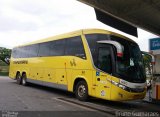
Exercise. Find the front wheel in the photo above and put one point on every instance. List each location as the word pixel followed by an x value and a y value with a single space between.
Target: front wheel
pixel 82 91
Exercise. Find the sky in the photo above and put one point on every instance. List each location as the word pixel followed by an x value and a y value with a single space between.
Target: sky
pixel 23 21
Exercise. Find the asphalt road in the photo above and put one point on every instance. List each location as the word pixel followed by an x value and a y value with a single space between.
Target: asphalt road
pixel 31 100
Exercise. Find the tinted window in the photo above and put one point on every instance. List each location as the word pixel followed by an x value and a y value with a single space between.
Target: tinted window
pixel 104 59
pixel 32 50
pixel 130 66
pixel 57 48
pixel 92 42
pixel 27 51
pixel 21 52
pixel 18 52
pixel 44 49
pixel 74 47
pixel 14 51
pixel 71 46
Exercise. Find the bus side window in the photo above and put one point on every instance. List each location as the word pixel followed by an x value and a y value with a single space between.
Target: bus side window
pixel 23 52
pixel 104 59
pixel 57 47
pixel 14 53
pixel 74 47
pixel 44 49
pixel 33 50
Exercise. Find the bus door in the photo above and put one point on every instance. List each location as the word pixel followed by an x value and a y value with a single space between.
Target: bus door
pixel 61 76
pixel 104 70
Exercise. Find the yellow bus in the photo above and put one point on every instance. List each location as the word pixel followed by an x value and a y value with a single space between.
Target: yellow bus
pixel 89 62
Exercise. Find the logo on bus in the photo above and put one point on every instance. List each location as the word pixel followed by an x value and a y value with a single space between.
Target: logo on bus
pixel 20 62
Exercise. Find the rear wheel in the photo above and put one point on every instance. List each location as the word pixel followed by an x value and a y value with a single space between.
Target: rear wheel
pixel 18 78
pixel 24 79
pixel 82 91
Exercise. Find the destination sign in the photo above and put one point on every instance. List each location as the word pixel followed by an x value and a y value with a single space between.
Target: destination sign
pixel 155 44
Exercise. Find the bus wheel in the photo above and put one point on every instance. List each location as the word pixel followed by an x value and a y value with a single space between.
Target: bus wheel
pixel 24 80
pixel 18 78
pixel 82 91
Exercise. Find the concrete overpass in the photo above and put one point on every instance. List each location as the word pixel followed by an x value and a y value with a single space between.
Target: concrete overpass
pixel 144 14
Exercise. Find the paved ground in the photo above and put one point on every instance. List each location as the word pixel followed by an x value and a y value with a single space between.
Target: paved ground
pixel 14 97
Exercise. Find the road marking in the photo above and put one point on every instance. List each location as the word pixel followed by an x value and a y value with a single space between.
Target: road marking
pixel 109 111
pixel 22 101
pixel 71 103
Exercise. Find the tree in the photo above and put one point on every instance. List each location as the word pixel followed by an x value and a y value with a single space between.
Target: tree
pixel 147 63
pixel 5 54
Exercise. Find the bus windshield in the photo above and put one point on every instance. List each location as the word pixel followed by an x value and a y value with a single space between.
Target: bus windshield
pixel 130 66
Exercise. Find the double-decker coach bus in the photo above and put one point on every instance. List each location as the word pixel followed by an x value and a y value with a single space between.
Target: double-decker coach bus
pixel 90 62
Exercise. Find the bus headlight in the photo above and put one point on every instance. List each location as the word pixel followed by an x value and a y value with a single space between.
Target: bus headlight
pixel 115 83
pixel 122 87
pixel 134 90
pixel 118 84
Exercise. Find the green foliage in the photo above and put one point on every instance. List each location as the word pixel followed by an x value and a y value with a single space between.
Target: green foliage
pixel 147 60
pixel 147 63
pixel 3 63
pixel 4 73
pixel 4 68
pixel 5 53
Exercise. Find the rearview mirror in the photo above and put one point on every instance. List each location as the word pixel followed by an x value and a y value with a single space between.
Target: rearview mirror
pixel 152 57
pixel 116 44
pixel 7 60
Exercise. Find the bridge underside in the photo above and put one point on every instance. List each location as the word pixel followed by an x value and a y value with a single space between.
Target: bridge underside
pixel 144 14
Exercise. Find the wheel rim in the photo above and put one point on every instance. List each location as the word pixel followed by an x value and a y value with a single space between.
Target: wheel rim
pixel 24 81
pixel 81 91
pixel 18 77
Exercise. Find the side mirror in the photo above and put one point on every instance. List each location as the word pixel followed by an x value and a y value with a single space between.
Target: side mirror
pixel 7 60
pixel 116 44
pixel 152 56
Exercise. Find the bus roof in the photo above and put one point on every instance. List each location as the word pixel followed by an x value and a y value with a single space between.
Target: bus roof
pixel 76 33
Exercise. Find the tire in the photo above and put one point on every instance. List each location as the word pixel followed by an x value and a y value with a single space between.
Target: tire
pixel 81 91
pixel 24 80
pixel 18 78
